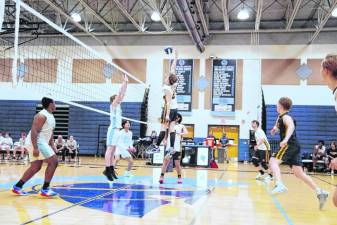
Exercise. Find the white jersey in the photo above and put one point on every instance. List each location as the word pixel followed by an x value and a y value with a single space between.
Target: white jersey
pixel 47 128
pixel 179 128
pixel 116 116
pixel 174 102
pixel 124 139
pixel 7 141
pixel 259 134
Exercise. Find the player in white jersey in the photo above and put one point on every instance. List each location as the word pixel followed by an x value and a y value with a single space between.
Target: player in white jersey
pixel 40 146
pixel 113 130
pixel 260 158
pixel 124 146
pixel 329 74
pixel 170 106
pixel 180 131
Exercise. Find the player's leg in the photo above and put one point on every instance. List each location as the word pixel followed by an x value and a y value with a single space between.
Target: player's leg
pixel 176 158
pixel 166 161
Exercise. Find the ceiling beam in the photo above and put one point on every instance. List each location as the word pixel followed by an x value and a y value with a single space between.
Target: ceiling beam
pixel 100 18
pixel 162 19
pixel 293 14
pixel 202 17
pixel 225 5
pixel 323 21
pixel 259 10
pixel 127 14
pixel 69 18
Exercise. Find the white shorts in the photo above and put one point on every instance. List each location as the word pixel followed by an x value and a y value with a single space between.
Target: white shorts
pixel 124 153
pixel 112 136
pixel 45 151
pixel 5 147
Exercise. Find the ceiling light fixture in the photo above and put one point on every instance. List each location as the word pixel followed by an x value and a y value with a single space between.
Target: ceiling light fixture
pixel 76 17
pixel 155 16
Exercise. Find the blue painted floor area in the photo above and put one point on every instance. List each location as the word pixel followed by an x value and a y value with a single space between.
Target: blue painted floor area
pixel 123 199
pixel 133 197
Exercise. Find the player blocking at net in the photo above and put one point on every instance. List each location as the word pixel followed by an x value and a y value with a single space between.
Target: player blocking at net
pixel 113 130
pixel 169 108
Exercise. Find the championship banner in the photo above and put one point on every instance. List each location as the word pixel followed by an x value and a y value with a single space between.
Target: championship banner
pixel 223 87
pixel 184 72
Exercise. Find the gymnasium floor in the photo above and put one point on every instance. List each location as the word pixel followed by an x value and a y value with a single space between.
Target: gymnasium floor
pixel 228 195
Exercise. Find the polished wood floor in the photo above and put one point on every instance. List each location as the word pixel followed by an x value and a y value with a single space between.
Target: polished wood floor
pixel 228 195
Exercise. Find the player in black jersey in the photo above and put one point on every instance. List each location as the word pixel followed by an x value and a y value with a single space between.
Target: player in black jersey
pixel 289 152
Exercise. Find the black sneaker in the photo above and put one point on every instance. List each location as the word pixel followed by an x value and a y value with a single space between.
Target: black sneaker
pixel 113 173
pixel 108 175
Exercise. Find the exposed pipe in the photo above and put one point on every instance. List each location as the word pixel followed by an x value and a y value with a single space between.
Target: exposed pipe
pixel 190 24
pixel 202 17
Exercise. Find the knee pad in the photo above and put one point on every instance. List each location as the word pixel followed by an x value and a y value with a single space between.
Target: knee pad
pixel 255 161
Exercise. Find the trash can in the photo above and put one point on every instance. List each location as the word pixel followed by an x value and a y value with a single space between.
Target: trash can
pixel 221 155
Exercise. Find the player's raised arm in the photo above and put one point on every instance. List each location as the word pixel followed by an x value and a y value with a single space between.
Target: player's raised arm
pixel 120 96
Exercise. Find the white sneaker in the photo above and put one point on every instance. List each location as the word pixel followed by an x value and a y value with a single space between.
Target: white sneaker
pixel 259 176
pixel 267 178
pixel 322 197
pixel 128 174
pixel 279 189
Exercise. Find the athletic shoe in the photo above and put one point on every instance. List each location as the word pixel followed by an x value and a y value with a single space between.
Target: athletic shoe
pixel 161 180
pixel 128 174
pixel 48 193
pixel 279 189
pixel 18 191
pixel 180 181
pixel 322 197
pixel 108 175
pixel 113 174
pixel 259 176
pixel 267 178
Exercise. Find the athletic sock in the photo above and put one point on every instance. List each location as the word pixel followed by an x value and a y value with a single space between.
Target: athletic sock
pixel 161 136
pixel 20 184
pixel 318 190
pixel 172 138
pixel 45 185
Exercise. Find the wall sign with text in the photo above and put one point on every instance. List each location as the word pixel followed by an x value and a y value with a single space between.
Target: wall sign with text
pixel 184 72
pixel 223 86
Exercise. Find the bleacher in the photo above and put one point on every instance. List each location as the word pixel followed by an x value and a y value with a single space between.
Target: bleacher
pixel 17 116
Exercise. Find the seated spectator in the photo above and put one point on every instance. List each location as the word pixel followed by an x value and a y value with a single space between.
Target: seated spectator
pixel 61 146
pixel 6 144
pixel 20 146
pixel 153 136
pixel 319 153
pixel 331 153
pixel 72 147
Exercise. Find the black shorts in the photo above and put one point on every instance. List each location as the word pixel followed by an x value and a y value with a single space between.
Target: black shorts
pixel 176 156
pixel 290 155
pixel 173 115
pixel 262 155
